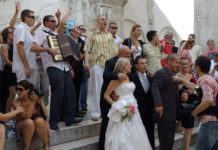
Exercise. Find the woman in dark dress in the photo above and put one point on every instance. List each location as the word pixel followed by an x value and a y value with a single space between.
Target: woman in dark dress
pixel 186 118
pixel 133 41
pixel 7 54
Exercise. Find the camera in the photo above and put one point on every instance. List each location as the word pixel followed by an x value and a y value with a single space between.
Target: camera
pixel 36 92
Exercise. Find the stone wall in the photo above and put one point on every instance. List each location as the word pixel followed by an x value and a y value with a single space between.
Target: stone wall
pixel 206 22
pixel 125 13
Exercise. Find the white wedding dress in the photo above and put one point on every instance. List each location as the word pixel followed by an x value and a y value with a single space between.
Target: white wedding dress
pixel 126 134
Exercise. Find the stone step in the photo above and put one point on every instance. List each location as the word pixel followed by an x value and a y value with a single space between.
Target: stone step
pixel 91 143
pixel 84 130
pixel 87 128
pixel 179 140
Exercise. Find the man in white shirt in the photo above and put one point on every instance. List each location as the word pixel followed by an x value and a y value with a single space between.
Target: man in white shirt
pixel 83 34
pixel 62 88
pixel 113 30
pixel 196 50
pixel 214 66
pixel 24 61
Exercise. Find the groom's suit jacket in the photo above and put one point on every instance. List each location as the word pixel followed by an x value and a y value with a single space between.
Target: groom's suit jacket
pixel 144 100
pixel 145 105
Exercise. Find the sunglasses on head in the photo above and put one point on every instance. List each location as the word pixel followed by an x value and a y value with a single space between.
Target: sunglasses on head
pixel 20 89
pixel 33 17
pixel 10 30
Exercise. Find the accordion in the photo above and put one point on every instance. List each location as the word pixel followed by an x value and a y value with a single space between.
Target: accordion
pixel 66 47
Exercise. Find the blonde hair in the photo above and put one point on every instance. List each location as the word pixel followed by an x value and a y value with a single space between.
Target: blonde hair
pixel 210 40
pixel 119 66
pixel 187 43
pixel 134 41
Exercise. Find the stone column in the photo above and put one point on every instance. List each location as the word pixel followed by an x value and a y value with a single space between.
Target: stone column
pixel 206 22
pixel 112 9
pixel 87 11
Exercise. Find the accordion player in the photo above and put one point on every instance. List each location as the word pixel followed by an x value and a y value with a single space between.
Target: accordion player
pixel 66 47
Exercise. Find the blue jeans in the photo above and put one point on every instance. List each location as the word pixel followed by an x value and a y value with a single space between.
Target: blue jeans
pixel 208 136
pixel 84 91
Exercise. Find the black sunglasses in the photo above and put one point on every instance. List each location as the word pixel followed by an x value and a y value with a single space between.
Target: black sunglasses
pixel 83 29
pixel 20 89
pixel 113 27
pixel 33 17
pixel 71 30
pixel 53 21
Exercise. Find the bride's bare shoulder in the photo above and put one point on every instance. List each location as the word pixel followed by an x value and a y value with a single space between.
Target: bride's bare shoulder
pixel 115 82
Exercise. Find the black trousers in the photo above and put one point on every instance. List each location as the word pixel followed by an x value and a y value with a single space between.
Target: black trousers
pixel 62 96
pixel 103 129
pixel 166 134
pixel 149 126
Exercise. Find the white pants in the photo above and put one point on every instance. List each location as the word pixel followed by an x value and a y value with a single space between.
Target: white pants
pixel 21 75
pixel 97 81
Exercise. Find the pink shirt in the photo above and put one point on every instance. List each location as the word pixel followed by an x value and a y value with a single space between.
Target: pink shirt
pixel 209 87
pixel 187 54
pixel 210 53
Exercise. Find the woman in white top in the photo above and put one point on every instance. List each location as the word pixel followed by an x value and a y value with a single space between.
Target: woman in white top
pixel 133 41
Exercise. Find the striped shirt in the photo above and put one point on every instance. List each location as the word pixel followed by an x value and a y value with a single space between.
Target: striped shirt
pixel 101 46
pixel 153 56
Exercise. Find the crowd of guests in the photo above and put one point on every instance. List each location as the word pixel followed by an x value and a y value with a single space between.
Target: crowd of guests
pixel 165 79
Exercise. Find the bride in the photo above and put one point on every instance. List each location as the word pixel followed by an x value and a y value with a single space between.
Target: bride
pixel 125 129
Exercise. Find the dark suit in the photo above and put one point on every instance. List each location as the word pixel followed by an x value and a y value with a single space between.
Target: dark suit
pixel 145 105
pixel 165 93
pixel 108 75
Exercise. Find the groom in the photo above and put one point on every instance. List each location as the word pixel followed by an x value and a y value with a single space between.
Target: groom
pixel 143 95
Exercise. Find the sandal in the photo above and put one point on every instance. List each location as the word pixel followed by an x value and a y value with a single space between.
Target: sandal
pixel 46 147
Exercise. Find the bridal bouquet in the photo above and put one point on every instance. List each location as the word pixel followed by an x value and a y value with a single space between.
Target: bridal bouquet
pixel 130 111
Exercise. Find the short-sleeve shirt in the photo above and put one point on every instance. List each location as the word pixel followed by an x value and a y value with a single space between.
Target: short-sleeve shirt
pixel 209 54
pixel 167 49
pixel 40 38
pixel 195 52
pixel 102 47
pixel 22 34
pixel 209 87
pixel 153 56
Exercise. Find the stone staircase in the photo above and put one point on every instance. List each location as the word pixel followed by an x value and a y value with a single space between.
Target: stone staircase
pixel 84 136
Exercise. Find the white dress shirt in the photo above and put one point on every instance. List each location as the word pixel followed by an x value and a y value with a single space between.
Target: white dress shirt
pixel 40 38
pixel 144 81
pixel 118 41
pixel 195 52
pixel 211 68
pixel 22 34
